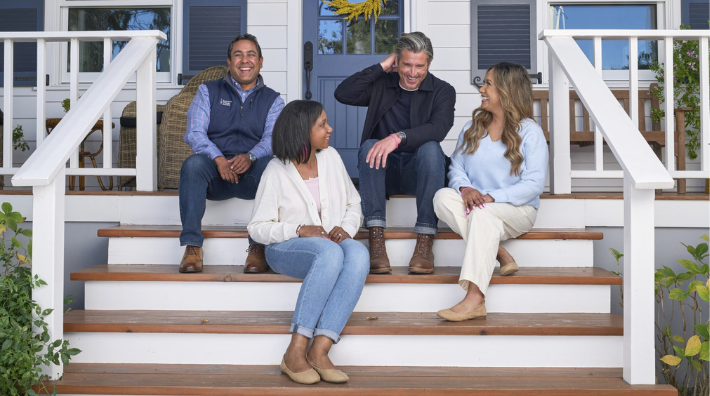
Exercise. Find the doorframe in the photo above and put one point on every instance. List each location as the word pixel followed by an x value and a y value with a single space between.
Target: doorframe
pixel 294 52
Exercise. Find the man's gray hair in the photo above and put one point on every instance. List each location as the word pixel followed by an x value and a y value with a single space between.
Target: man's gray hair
pixel 415 42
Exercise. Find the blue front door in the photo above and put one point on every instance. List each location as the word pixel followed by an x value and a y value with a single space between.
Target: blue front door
pixel 341 48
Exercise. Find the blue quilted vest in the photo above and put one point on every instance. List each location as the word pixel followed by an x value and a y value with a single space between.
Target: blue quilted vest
pixel 236 127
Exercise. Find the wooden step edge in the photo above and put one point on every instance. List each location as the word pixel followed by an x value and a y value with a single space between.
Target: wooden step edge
pixel 360 323
pixel 390 233
pixel 215 379
pixel 400 275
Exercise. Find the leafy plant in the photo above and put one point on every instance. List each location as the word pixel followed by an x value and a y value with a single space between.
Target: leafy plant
pixel 689 348
pixel 617 257
pixel 18 139
pixel 25 345
pixel 686 88
pixel 66 103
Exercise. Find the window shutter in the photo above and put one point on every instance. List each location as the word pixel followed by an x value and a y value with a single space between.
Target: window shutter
pixel 502 31
pixel 21 16
pixel 696 13
pixel 209 27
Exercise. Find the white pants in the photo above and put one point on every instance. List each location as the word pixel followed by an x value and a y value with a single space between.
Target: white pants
pixel 482 232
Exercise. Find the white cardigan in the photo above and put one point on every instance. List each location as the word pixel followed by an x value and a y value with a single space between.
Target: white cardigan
pixel 283 201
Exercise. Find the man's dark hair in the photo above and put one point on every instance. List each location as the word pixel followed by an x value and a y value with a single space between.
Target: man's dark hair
pixel 245 36
pixel 291 137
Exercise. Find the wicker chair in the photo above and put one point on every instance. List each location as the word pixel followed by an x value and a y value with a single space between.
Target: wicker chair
pixel 172 150
pixel 127 142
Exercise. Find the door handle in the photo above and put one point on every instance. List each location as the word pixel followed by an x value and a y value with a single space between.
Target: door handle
pixel 308 67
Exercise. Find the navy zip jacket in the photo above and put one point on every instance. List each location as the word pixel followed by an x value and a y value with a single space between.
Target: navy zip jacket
pixel 432 110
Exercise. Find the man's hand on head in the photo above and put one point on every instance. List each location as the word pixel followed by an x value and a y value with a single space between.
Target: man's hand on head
pixel 240 163
pixel 378 153
pixel 390 63
pixel 223 167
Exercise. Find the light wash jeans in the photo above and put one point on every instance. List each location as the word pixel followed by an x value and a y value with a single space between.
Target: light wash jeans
pixel 333 277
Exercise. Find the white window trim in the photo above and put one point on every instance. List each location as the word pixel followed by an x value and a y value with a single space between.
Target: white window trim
pixel 60 8
pixel 613 78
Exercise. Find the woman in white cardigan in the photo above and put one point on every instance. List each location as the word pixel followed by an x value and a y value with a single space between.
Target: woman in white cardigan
pixel 306 212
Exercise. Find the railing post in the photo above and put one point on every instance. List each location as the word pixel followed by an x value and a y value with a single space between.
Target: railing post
pixel 669 107
pixel 639 303
pixel 146 155
pixel 561 161
pixel 8 101
pixel 598 138
pixel 704 105
pixel 48 257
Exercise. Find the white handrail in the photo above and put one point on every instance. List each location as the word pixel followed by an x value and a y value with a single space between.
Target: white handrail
pixel 619 34
pixel 55 36
pixel 44 164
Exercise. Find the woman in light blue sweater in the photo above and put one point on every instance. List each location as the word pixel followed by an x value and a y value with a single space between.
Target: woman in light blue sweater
pixel 496 176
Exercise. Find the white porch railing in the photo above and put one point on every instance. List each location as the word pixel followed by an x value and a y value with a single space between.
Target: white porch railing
pixel 45 170
pixel 642 170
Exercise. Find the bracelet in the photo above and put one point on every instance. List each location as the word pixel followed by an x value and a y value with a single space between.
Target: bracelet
pixel 396 143
pixel 298 229
pixel 464 190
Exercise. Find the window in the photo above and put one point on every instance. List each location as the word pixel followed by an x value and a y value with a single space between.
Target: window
pixel 21 16
pixel 98 15
pixel 615 53
pixel 502 31
pixel 359 36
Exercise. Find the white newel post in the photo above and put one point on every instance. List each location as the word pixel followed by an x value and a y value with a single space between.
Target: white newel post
pixel 639 303
pixel 48 255
pixel 560 158
pixel 146 154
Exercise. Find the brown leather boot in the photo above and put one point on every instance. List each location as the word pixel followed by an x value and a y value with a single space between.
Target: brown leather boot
pixel 379 262
pixel 192 259
pixel 256 260
pixel 422 261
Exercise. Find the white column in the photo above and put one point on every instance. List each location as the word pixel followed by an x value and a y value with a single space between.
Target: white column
pixel 48 256
pixel 561 162
pixel 639 302
pixel 669 104
pixel 7 99
pixel 634 80
pixel 108 131
pixel 41 90
pixel 598 138
pixel 704 105
pixel 74 90
pixel 146 155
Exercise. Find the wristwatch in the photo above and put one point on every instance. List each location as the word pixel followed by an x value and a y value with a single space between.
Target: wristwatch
pixel 252 157
pixel 403 137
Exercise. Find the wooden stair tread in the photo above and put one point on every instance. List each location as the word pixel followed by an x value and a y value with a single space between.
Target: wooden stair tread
pixel 360 323
pixel 181 379
pixel 165 231
pixel 441 275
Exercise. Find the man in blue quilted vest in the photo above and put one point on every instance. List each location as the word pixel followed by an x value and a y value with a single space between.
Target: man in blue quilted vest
pixel 229 126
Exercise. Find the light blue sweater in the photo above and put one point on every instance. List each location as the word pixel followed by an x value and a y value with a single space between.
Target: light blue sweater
pixel 488 171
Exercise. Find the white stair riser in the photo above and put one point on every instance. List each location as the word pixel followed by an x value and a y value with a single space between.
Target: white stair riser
pixel 401 212
pixel 255 296
pixel 447 252
pixel 358 350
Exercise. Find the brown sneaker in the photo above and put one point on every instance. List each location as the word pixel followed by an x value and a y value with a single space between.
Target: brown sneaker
pixel 256 260
pixel 379 262
pixel 422 261
pixel 192 259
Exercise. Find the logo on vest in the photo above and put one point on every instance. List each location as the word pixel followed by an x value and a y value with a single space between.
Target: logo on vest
pixel 225 102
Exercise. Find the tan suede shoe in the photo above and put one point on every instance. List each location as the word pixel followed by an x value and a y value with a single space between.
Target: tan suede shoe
pixel 191 260
pixel 307 377
pixel 509 268
pixel 452 316
pixel 330 375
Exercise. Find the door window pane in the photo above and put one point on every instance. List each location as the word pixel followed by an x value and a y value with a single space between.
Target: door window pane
pixel 391 7
pixel 330 37
pixel 386 35
pixel 359 37
pixel 615 53
pixel 91 55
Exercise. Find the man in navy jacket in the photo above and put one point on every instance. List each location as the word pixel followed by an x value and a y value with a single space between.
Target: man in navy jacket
pixel 409 112
pixel 229 126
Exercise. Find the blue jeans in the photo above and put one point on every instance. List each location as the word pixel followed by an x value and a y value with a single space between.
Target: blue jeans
pixel 421 173
pixel 333 277
pixel 200 181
